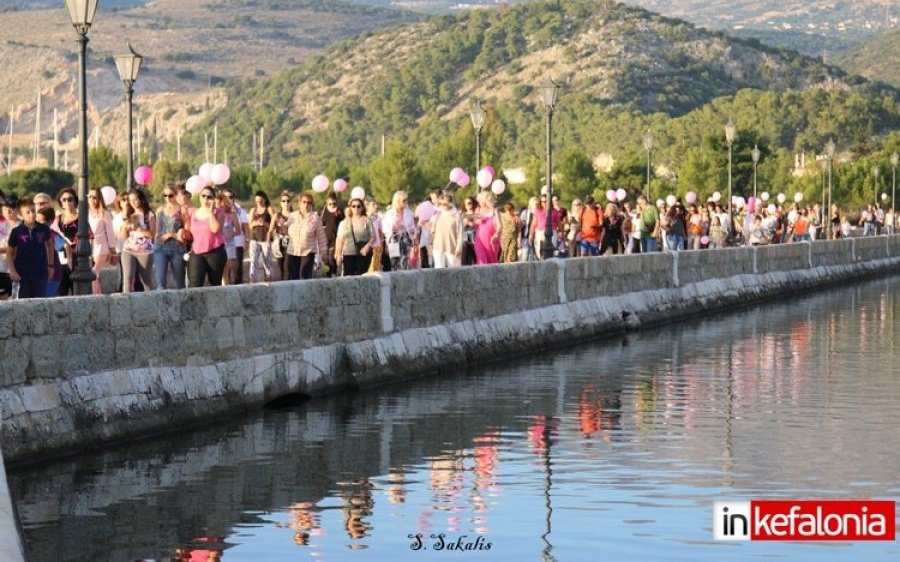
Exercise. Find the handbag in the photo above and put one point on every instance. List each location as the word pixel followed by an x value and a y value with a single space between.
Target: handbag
pixel 357 244
pixel 394 250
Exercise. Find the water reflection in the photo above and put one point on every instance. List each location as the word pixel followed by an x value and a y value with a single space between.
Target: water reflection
pixel 614 449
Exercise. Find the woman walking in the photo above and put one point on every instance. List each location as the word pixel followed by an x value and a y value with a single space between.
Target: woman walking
pixel 208 256
pixel 307 239
pixel 487 230
pixel 139 232
pixel 103 243
pixel 399 227
pixel 262 227
pixel 67 226
pixel 510 227
pixel 169 247
pixel 355 238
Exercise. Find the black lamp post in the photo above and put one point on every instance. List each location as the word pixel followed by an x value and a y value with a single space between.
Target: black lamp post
pixel 477 114
pixel 648 145
pixel 829 151
pixel 876 172
pixel 549 95
pixel 755 154
pixel 730 130
pixel 129 66
pixel 895 159
pixel 81 12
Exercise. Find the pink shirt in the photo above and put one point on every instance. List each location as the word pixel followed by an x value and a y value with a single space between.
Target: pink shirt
pixel 540 219
pixel 204 240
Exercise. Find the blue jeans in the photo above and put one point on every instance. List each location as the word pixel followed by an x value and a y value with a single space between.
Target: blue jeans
pixel 676 243
pixel 168 253
pixel 649 245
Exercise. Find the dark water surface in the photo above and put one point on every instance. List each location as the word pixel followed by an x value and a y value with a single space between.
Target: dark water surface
pixel 610 451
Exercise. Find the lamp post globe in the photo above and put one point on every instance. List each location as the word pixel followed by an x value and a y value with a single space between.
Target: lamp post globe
pixel 549 96
pixel 477 115
pixel 876 172
pixel 129 67
pixel 81 13
pixel 648 145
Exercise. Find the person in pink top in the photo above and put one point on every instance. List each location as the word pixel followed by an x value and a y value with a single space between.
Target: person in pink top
pixel 208 256
pixel 487 230
pixel 539 224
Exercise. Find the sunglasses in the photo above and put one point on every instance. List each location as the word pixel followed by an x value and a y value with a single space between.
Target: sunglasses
pixel 92 197
pixel 285 200
pixel 169 194
pixel 305 202
pixel 208 196
pixel 67 200
pixel 356 206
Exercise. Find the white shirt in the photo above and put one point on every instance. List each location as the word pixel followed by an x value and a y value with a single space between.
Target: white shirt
pixel 243 219
pixel 390 217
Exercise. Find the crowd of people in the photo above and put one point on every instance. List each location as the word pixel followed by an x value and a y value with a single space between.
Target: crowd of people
pixel 179 244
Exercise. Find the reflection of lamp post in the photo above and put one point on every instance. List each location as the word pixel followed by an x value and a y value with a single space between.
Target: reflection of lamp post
pixel 755 154
pixel 829 151
pixel 730 130
pixel 549 95
pixel 895 158
pixel 129 66
pixel 81 12
pixel 546 441
pixel 477 115
pixel 648 144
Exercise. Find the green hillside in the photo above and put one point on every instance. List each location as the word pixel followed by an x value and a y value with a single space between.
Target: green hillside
pixel 624 70
pixel 878 59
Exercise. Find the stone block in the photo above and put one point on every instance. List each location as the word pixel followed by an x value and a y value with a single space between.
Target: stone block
pixel 46 358
pixel 99 316
pixel 240 338
pixel 127 348
pixel 7 321
pixel 76 350
pixel 59 316
pixel 258 329
pixel 224 334
pixel 282 297
pixel 16 357
pixel 39 398
pixel 144 308
pixel 193 304
pixel 119 310
pixel 32 317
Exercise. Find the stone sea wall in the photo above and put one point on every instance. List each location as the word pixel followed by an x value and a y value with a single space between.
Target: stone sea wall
pixel 81 372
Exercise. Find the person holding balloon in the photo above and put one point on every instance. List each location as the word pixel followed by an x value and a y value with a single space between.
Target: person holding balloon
pixel 487 230
pixel 208 256
pixel 139 231
pixel 169 247
pixel 103 242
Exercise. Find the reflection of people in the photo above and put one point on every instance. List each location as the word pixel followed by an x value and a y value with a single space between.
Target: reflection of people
pixel 304 523
pixel 358 503
pixel 598 412
pixel 396 492
pixel 212 554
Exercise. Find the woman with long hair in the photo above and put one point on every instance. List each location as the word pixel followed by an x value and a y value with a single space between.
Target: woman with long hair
pixel 169 247
pixel 208 256
pixel 510 227
pixel 103 243
pixel 355 238
pixel 468 215
pixel 378 242
pixel 304 227
pixel 262 227
pixel 230 231
pixel 138 231
pixel 67 226
pixel 280 236
pixel 399 227
pixel 487 230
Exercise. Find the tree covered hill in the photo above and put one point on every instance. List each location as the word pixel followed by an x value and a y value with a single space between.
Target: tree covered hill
pixel 624 70
pixel 877 59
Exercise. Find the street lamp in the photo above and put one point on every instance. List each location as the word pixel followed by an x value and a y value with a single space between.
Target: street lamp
pixel 829 151
pixel 755 154
pixel 876 172
pixel 895 158
pixel 129 66
pixel 648 144
pixel 549 95
pixel 477 114
pixel 730 130
pixel 81 12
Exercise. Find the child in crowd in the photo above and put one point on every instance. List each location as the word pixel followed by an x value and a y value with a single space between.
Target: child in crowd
pixel 30 254
pixel 47 215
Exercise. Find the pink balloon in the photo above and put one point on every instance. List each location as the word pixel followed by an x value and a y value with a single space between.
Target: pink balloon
pixel 464 180
pixel 195 184
pixel 671 200
pixel 704 240
pixel 320 183
pixel 491 170
pixel 143 175
pixel 457 174
pixel 621 194
pixel 498 187
pixel 611 196
pixel 425 211
pixel 340 185
pixel 484 178
pixel 220 174
pixel 358 193
pixel 109 194
pixel 690 197
pixel 206 171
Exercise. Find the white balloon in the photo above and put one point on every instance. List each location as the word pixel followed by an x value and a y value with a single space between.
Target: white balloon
pixel 498 187
pixel 781 198
pixel 716 196
pixel 764 196
pixel 358 193
pixel 798 197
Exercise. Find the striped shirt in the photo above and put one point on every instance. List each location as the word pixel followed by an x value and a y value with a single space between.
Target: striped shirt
pixel 307 234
